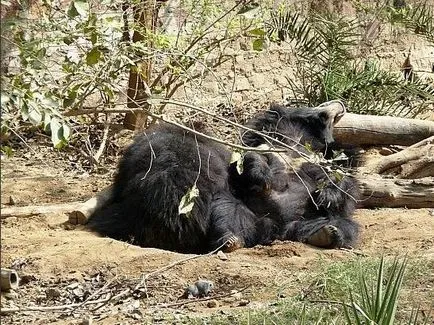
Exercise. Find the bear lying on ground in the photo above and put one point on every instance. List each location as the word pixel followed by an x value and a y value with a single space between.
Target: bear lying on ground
pixel 274 197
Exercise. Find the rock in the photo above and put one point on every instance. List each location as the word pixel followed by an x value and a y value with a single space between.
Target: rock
pixel 13 200
pixel 52 293
pixel 243 302
pixel 222 256
pixel 385 151
pixel 237 295
pixel 86 321
pixel 10 294
pixel 212 303
pixel 72 286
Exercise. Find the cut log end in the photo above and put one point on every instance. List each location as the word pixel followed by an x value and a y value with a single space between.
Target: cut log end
pixel 8 280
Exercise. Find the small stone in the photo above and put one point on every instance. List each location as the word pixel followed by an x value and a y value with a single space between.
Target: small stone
pixel 52 293
pixel 385 151
pixel 212 303
pixel 72 286
pixel 243 302
pixel 78 292
pixel 86 321
pixel 237 295
pixel 13 200
pixel 10 295
pixel 222 256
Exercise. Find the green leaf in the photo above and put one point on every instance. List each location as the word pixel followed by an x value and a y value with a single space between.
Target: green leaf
pixel 78 8
pixel 24 109
pixel 93 56
pixel 55 127
pixel 60 133
pixel 258 44
pixel 237 158
pixel 4 99
pixel 94 37
pixel 35 116
pixel 47 121
pixel 68 101
pixel 72 11
pixel 187 201
pixel 7 151
pixel 66 132
pixel 257 32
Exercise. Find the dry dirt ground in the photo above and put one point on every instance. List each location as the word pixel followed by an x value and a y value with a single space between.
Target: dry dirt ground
pixel 63 264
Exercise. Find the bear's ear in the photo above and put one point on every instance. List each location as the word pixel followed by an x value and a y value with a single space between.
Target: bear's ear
pixel 324 117
pixel 333 110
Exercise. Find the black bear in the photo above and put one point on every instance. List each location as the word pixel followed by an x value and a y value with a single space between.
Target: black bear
pixel 307 201
pixel 270 199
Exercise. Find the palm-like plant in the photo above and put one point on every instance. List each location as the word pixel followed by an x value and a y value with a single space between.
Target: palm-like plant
pixel 326 66
pixel 377 305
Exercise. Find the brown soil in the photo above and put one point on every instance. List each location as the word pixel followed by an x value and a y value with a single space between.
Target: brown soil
pixel 60 263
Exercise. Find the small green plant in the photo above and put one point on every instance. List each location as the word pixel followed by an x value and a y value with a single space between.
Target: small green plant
pixel 377 304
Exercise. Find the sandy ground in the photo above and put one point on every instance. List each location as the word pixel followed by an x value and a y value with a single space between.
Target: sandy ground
pixel 62 264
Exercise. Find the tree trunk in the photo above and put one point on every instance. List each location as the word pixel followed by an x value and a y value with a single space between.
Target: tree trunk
pixel 360 130
pixel 376 192
pixel 145 15
pixel 380 192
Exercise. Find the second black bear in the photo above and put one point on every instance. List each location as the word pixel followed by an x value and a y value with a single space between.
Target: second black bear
pixel 267 201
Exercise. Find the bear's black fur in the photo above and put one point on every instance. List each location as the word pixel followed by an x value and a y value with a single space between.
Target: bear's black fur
pixel 268 201
pixel 310 204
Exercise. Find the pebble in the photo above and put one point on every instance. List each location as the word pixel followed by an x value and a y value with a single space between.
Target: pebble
pixel 10 295
pixel 243 302
pixel 212 303
pixel 222 256
pixel 237 295
pixel 52 293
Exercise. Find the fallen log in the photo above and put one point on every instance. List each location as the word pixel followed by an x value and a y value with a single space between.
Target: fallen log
pixel 422 167
pixel 360 130
pixel 32 210
pixel 8 279
pixel 80 215
pixel 423 150
pixel 376 192
pixel 381 192
pixel 78 212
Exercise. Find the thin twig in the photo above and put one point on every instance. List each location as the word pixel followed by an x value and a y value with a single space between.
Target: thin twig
pixel 111 297
pixel 353 251
pixel 94 294
pixel 190 301
pixel 333 302
pixel 102 146
pixel 146 276
pixel 51 308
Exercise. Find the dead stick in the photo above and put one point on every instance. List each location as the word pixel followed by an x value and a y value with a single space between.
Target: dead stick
pixel 50 308
pixel 190 301
pixel 146 276
pixel 102 146
pixel 39 209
